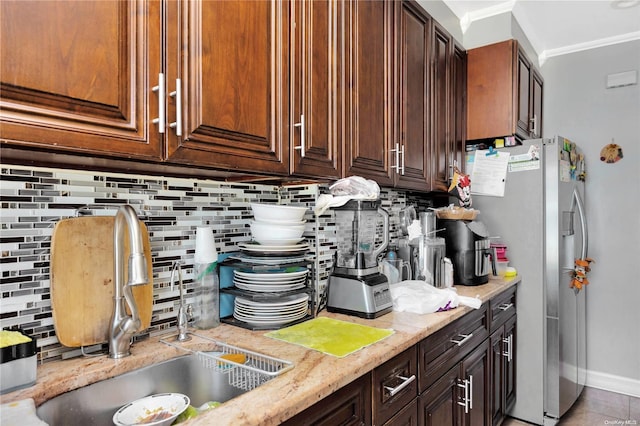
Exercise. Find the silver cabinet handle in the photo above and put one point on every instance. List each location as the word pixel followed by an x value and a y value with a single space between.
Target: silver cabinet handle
pixel 505 306
pixel 465 400
pixel 534 124
pixel 397 152
pixel 161 89
pixel 465 337
pixel 508 353
pixel 470 392
pixel 402 154
pixel 177 94
pixel 302 132
pixel 405 382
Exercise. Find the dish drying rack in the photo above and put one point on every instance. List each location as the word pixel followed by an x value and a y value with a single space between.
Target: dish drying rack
pixel 257 369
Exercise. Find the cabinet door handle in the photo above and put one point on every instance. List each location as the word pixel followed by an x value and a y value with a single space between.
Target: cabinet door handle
pixel 397 152
pixel 402 167
pixel 505 306
pixel 405 382
pixel 465 400
pixel 177 94
pixel 302 132
pixel 161 89
pixel 470 392
pixel 465 337
pixel 534 124
pixel 509 342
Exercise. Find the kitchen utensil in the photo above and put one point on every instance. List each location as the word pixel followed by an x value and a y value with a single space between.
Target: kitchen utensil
pixel 356 287
pixel 82 280
pixel 396 270
pixel 428 260
pixel 157 410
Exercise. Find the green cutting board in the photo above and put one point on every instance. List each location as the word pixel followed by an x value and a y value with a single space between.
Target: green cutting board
pixel 331 336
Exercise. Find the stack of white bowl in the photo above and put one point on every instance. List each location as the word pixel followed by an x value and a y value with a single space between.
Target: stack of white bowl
pixel 277 225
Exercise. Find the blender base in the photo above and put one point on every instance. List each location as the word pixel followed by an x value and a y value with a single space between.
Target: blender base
pixel 365 297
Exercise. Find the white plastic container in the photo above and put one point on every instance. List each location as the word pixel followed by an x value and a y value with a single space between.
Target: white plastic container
pixel 501 267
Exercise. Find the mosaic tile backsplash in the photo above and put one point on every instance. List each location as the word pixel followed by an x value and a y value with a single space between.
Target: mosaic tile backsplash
pixel 34 199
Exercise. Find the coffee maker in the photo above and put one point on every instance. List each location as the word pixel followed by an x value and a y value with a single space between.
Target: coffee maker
pixel 356 287
pixel 468 246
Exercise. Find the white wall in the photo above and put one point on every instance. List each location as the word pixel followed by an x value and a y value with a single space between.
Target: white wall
pixel 577 105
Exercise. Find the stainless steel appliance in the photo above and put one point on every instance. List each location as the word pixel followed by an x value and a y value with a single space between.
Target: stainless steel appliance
pixel 541 218
pixel 470 251
pixel 356 287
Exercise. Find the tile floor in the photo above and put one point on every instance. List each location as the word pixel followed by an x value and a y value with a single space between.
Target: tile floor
pixel 597 407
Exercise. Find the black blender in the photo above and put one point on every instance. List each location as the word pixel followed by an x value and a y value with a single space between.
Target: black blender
pixel 356 287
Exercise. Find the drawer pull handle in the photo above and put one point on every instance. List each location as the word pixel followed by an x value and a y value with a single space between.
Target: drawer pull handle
pixel 405 382
pixel 505 306
pixel 160 88
pixel 465 337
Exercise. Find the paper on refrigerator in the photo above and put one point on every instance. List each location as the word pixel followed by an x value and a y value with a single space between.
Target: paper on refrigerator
pixel 489 173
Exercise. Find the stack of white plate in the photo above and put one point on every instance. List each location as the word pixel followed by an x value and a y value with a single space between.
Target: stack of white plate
pixel 271 280
pixel 285 310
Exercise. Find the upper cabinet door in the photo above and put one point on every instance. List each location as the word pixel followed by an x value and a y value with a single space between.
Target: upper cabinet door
pixel 523 94
pixel 317 88
pixel 442 109
pixel 227 78
pixel 74 76
pixel 535 121
pixel 368 104
pixel 413 97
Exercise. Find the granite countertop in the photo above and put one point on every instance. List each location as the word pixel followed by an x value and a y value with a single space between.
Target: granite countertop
pixel 313 377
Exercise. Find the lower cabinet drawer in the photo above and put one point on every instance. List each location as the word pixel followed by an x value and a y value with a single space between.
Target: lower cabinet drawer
pixel 395 384
pixel 446 347
pixel 348 406
pixel 501 308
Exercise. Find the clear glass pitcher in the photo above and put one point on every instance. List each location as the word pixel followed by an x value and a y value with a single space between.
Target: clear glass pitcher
pixel 360 236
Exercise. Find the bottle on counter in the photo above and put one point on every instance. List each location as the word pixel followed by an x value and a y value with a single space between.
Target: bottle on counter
pixel 207 289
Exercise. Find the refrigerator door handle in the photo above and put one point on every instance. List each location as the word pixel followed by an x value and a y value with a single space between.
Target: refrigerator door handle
pixel 577 202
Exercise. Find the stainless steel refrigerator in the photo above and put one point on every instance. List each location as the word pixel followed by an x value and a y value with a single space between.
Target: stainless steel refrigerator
pixel 542 221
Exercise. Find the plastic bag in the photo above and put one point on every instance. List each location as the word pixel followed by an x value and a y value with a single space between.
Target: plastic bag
pixel 422 298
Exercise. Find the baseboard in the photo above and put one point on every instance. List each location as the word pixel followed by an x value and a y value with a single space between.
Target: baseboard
pixel 611 383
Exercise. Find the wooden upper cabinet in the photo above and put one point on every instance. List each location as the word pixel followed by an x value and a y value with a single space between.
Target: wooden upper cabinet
pixel 317 88
pixel 449 108
pixel 228 61
pixel 414 35
pixel 504 93
pixel 74 76
pixel 368 116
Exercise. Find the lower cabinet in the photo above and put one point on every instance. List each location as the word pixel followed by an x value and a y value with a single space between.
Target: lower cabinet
pixel 463 374
pixel 503 321
pixel 462 395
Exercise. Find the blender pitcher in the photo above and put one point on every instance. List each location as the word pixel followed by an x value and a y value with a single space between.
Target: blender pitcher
pixel 357 223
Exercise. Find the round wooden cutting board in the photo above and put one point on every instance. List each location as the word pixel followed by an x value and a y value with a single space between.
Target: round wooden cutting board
pixel 82 280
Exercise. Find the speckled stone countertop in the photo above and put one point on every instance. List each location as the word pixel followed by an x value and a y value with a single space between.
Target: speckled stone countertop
pixel 313 377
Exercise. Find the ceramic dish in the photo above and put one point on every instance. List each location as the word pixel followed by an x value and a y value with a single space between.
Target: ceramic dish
pixel 159 409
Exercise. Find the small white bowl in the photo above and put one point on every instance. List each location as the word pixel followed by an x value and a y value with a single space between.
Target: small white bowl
pixel 157 410
pixel 278 212
pixel 267 231
pixel 280 242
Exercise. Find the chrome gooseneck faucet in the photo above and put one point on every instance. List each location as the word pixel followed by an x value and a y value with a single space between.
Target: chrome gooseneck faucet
pixel 124 326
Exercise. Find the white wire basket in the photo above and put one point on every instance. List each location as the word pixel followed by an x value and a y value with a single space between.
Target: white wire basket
pixel 256 369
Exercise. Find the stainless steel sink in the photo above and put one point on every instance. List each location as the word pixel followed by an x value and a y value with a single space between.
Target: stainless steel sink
pixel 95 404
